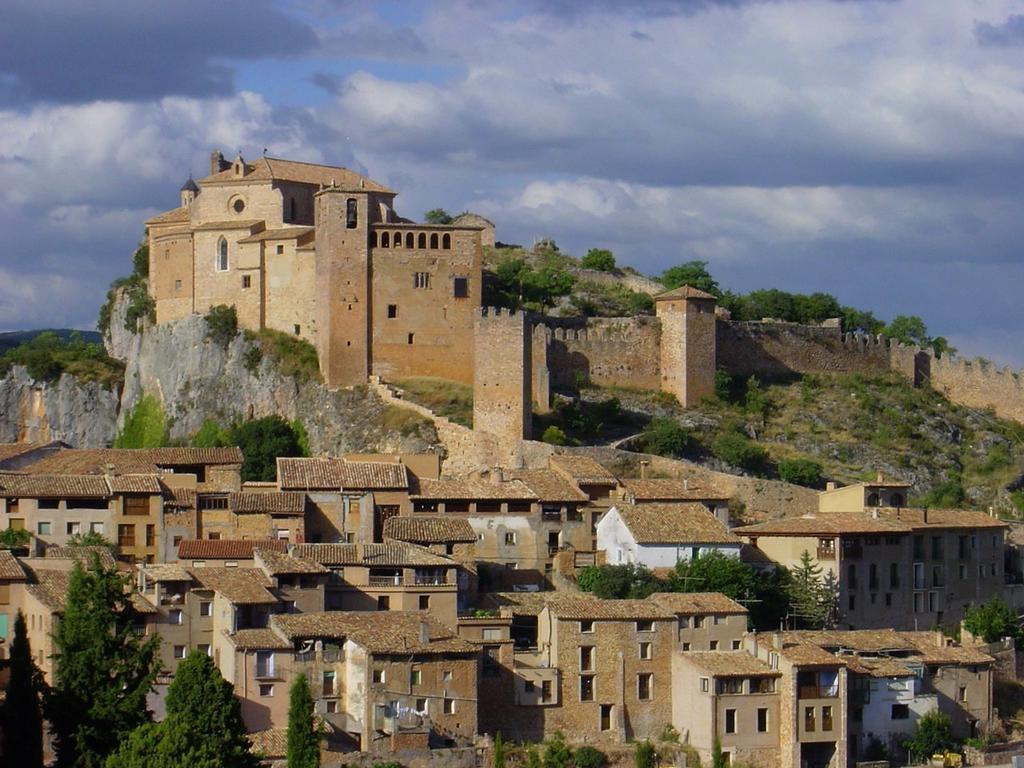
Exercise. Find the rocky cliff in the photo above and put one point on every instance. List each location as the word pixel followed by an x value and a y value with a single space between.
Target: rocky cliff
pixel 69 410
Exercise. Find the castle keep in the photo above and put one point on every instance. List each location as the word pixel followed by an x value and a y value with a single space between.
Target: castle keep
pixel 319 252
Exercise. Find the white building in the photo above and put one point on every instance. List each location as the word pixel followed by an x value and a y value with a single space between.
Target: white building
pixel 660 535
pixel 886 701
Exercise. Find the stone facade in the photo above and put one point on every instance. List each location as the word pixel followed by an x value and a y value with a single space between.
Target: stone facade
pixel 502 378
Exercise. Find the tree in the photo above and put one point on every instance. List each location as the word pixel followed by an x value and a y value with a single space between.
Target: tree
pixel 801 472
pixel 12 538
pixel 908 329
pixel 203 727
pixel 437 216
pixel 644 755
pixel 933 735
pixel 717 758
pixel 22 714
pixel 499 751
pixel 90 539
pixel 103 668
pixel 589 757
pixel 807 597
pixel 553 436
pixel 303 739
pixel 738 450
pixel 766 593
pixel 666 437
pixel 992 621
pixel 557 754
pixel 262 441
pixel 222 324
pixel 600 259
pixel 619 582
pixel 692 273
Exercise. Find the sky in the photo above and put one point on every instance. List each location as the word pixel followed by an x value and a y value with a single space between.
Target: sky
pixel 872 149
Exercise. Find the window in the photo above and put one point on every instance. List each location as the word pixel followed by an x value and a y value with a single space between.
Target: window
pixel 421 280
pixel 736 644
pixel 587 658
pixel 44 528
pixel 586 626
pixel 826 718
pixel 686 646
pixel 644 686
pixel 280 250
pixel 961 693
pixel 713 645
pixel 719 619
pixel 383 603
pixel 204 648
pixel 175 616
pixel 446 676
pixel 645 651
pixel 704 685
pixel 586 687
pixel 545 690
pixel 266 690
pixel 425 603
pixel 416 677
pixel 460 287
pixel 177 285
pixel 433 240
pixel 247 281
pixel 96 528
pixel 264 663
pixel 410 338
pixel 351 213
pixel 392 311
pixel 606 717
pixel 510 538
pixel 900 712
pixel 126 535
pixel 222 255
pixel 730 721
pixel 449 706
pixel 385 239
pixel 762 719
pixel 238 205
pixel 809 720
pixel 297 329
pixel 74 528
pixel 645 626
pixel 150 535
pixel 136 505
pixel 331 706
pixel 205 608
pixel 379 676
pixel 179 651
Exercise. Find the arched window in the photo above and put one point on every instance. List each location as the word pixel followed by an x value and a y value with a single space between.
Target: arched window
pixel 433 240
pixel 896 500
pixel 423 239
pixel 872 499
pixel 385 239
pixel 397 240
pixel 351 213
pixel 446 241
pixel 222 255
pixel 409 240
pixel 373 239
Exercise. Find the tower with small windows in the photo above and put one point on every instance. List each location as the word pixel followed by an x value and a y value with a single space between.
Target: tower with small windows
pixel 688 344
pixel 189 190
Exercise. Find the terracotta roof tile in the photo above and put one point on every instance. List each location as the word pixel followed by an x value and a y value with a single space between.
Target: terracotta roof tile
pixel 166 572
pixel 925 647
pixel 694 603
pixel 824 524
pixel 800 653
pixel 244 586
pixel 52 486
pixel 729 663
pixel 684 292
pixel 96 461
pixel 575 605
pixel 278 563
pixel 83 555
pixel 548 485
pixel 659 489
pixel 226 549
pixel 50 587
pixel 271 503
pixel 10 567
pixel 878 666
pixel 269 744
pixel 581 469
pixel 378 632
pixel 389 554
pixel 472 488
pixel 333 474
pixel 285 233
pixel 182 498
pixel 942 518
pixel 135 484
pixel 259 640
pixel 173 216
pixel 429 530
pixel 13 450
pixel 682 523
pixel 273 168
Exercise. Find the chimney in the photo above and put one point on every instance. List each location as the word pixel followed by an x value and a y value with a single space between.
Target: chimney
pixel 925 516
pixel 777 640
pixel 424 633
pixel 874 513
pixel 831 485
pixel 686 483
pixel 644 464
pixel 880 477
pixel 217 163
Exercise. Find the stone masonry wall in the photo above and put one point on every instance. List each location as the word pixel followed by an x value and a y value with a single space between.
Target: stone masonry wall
pixel 607 352
pixel 502 373
pixel 976 384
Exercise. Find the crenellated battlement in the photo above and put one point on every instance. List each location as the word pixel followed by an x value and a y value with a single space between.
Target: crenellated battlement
pixel 499 314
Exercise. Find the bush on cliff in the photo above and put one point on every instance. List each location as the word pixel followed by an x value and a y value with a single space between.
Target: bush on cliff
pixel 291 355
pixel 739 451
pixel 145 427
pixel 600 259
pixel 801 472
pixel 666 437
pixel 221 324
pixel 47 356
pixel 140 303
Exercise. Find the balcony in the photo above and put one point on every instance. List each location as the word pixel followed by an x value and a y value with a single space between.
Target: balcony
pixel 385 580
pixel 430 578
pixel 818 691
pixel 826 553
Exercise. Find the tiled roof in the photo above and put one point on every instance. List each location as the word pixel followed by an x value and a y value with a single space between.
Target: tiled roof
pixel 548 485
pixel 381 632
pixel 389 554
pixel 824 524
pixel 878 666
pixel 684 292
pixel 92 461
pixel 273 168
pixel 729 663
pixel 801 654
pixel 278 563
pixel 581 469
pixel 258 640
pixel 659 489
pixel 269 744
pixel 942 518
pixel 429 530
pixel 333 474
pixel 925 647
pixel 225 549
pixel 135 484
pixel 182 498
pixel 285 233
pixel 11 450
pixel 693 603
pixel 245 586
pixel 50 587
pixel 83 555
pixel 166 572
pixel 49 486
pixel 10 567
pixel 172 216
pixel 682 523
pixel 594 608
pixel 271 503
pixel 472 488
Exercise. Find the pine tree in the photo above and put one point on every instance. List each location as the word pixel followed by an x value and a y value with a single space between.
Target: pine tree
pixel 104 670
pixel 499 751
pixel 303 739
pixel 806 594
pixel 717 758
pixel 22 716
pixel 203 727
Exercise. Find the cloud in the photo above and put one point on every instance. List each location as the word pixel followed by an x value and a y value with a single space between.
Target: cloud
pixel 1009 33
pixel 72 52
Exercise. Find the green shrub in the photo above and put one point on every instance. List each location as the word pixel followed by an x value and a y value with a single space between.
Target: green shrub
pixel 644 755
pixel 1017 499
pixel 252 358
pixel 992 621
pixel 262 441
pixel 946 495
pixel 724 385
pixel 47 356
pixel 557 754
pixel 11 538
pixel 589 757
pixel 739 451
pixel 934 735
pixel 553 436
pixel 666 437
pixel 801 472
pixel 211 435
pixel 145 426
pixel 600 259
pixel 292 355
pixel 222 324
pixel 140 303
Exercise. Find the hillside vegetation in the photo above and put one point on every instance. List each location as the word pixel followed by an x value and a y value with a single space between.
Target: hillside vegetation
pixel 845 428
pixel 46 356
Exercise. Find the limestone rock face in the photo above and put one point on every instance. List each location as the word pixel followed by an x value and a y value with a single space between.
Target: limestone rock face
pixel 78 413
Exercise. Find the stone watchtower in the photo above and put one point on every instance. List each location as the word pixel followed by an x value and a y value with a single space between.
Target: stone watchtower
pixel 502 373
pixel 343 290
pixel 688 329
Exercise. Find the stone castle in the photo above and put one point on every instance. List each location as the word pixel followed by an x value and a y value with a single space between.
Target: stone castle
pixel 320 252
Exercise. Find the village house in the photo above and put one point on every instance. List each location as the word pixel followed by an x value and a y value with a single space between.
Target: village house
pixel 707 621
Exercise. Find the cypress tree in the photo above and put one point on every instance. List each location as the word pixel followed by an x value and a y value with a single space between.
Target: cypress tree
pixel 303 739
pixel 22 715
pixel 104 670
pixel 499 751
